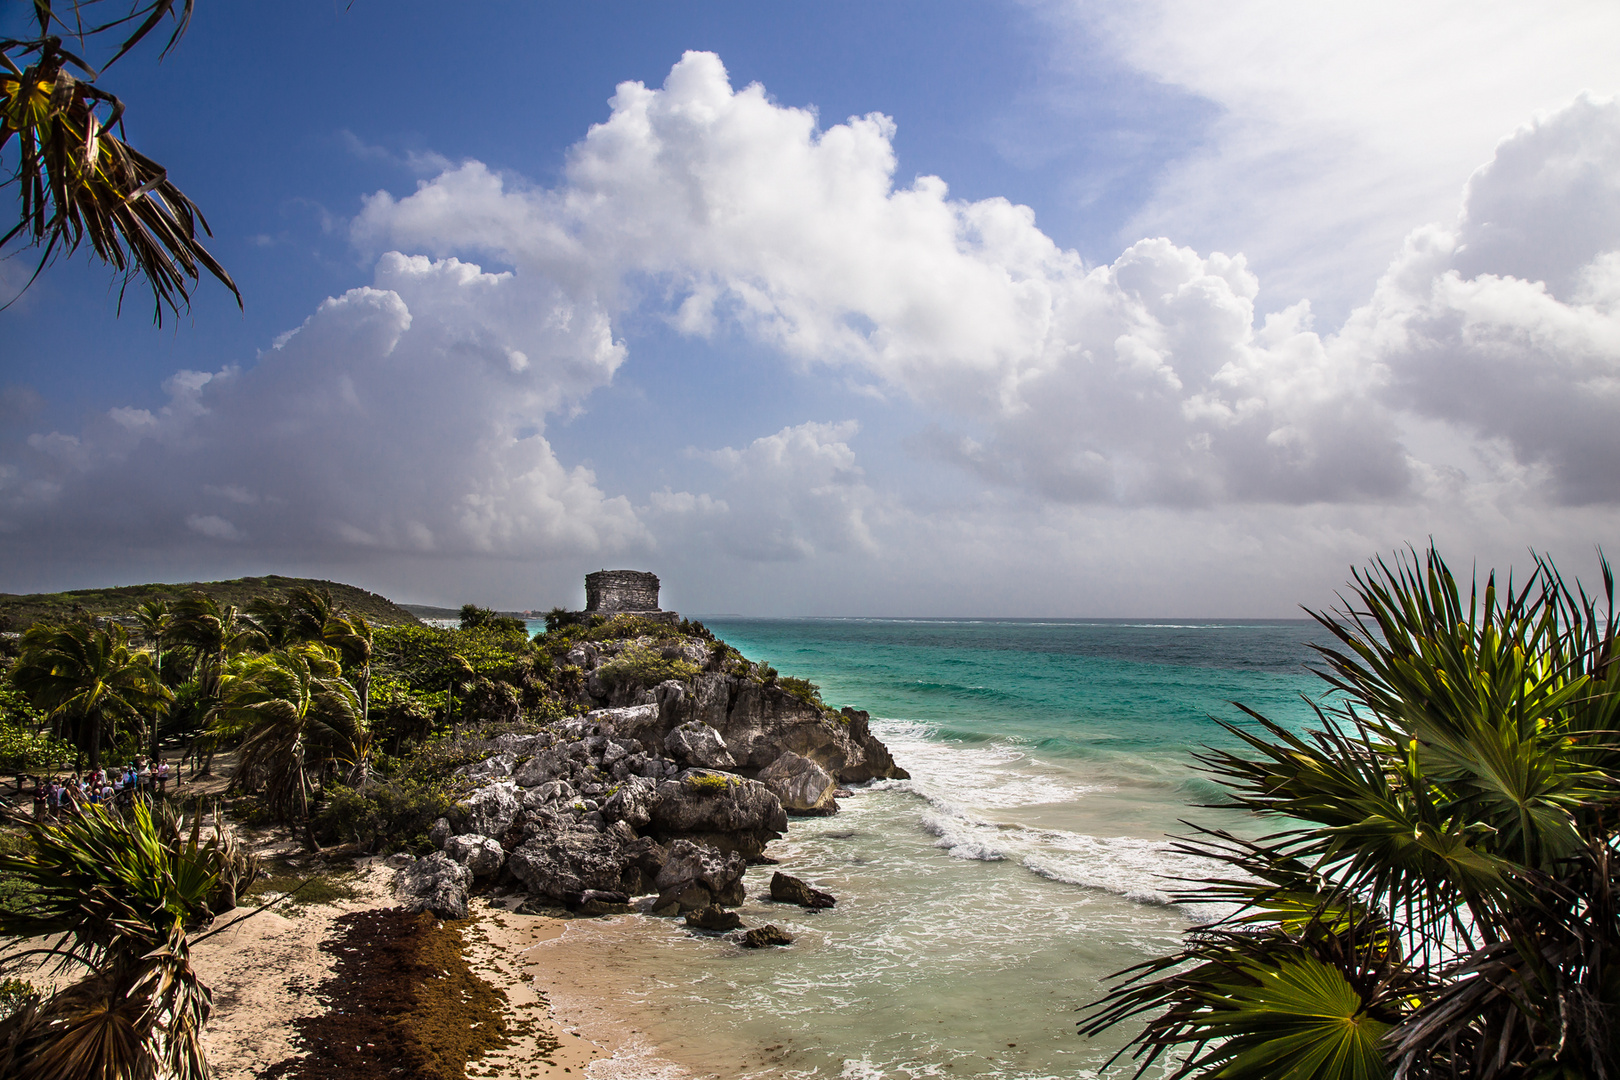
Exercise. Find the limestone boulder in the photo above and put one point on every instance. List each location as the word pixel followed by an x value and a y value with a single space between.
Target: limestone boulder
pixel 696 875
pixel 802 786
pixel 440 832
pixel 437 883
pixel 551 793
pixel 560 864
pixel 632 802
pixel 498 767
pixel 763 937
pixel 697 745
pixel 479 854
pixel 729 812
pixel 641 723
pixel 488 811
pixel 714 918
pixel 543 767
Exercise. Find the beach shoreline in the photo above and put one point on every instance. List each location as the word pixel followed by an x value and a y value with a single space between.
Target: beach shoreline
pixel 266 971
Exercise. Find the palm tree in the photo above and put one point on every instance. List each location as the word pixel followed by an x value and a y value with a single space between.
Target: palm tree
pixel 123 892
pixel 78 179
pixel 307 614
pixel 154 619
pixel 215 633
pixel 88 678
pixel 1442 897
pixel 294 713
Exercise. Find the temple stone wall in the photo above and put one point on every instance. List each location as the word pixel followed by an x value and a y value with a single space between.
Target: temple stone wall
pixel 609 592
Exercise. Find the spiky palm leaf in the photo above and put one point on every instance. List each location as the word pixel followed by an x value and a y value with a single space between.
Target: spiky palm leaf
pixel 122 890
pixel 293 712
pixel 1449 826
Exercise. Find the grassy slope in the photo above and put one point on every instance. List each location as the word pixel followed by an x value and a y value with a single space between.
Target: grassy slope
pixel 17 612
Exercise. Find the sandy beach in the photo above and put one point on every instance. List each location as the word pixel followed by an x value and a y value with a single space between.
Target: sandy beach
pixel 266 971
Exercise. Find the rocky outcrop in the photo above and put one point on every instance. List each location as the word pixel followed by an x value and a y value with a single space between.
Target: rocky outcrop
pixel 802 786
pixel 786 889
pixel 437 884
pixel 669 789
pixel 760 721
pixel 562 860
pixel 632 802
pixel 488 811
pixel 729 812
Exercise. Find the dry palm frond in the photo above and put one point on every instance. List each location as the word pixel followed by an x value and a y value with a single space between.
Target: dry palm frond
pixel 79 181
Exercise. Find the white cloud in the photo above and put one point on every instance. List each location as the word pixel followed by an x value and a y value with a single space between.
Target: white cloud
pixel 1508 325
pixel 394 419
pixel 1116 417
pixel 784 497
pixel 1143 381
pixel 1342 123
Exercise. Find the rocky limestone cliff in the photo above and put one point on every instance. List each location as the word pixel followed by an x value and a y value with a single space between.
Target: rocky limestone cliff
pixel 667 790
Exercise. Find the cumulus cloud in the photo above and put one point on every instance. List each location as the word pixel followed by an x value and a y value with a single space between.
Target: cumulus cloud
pixel 1508 324
pixel 409 416
pixel 402 416
pixel 1143 381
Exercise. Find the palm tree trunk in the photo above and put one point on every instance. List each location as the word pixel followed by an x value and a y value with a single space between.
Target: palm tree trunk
pixel 94 722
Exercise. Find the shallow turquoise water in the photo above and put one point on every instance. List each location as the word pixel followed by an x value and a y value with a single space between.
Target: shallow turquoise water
pixel 985 899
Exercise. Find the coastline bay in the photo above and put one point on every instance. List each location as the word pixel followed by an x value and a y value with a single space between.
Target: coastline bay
pixel 980 902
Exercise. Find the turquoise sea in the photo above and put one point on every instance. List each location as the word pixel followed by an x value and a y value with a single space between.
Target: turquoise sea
pixel 985 899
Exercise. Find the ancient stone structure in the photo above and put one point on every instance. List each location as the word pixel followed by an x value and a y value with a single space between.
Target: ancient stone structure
pixel 611 592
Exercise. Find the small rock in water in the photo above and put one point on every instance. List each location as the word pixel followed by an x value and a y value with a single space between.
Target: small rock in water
pixel 714 917
pixel 786 889
pixel 761 937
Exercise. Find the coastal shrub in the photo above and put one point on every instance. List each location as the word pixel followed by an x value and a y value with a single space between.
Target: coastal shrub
pixel 24 750
pixel 709 783
pixel 562 619
pixel 803 689
pixel 626 627
pixel 474 617
pixel 640 665
pixel 14 994
pixel 425 658
pixel 385 816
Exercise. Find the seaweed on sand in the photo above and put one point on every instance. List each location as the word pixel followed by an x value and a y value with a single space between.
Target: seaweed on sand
pixel 402 1004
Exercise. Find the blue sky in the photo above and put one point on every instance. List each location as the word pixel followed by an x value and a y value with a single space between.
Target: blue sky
pixel 1089 310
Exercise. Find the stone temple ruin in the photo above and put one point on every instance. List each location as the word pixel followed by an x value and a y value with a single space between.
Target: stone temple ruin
pixel 617 592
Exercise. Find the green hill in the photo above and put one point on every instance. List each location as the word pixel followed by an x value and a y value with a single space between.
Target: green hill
pixel 18 612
